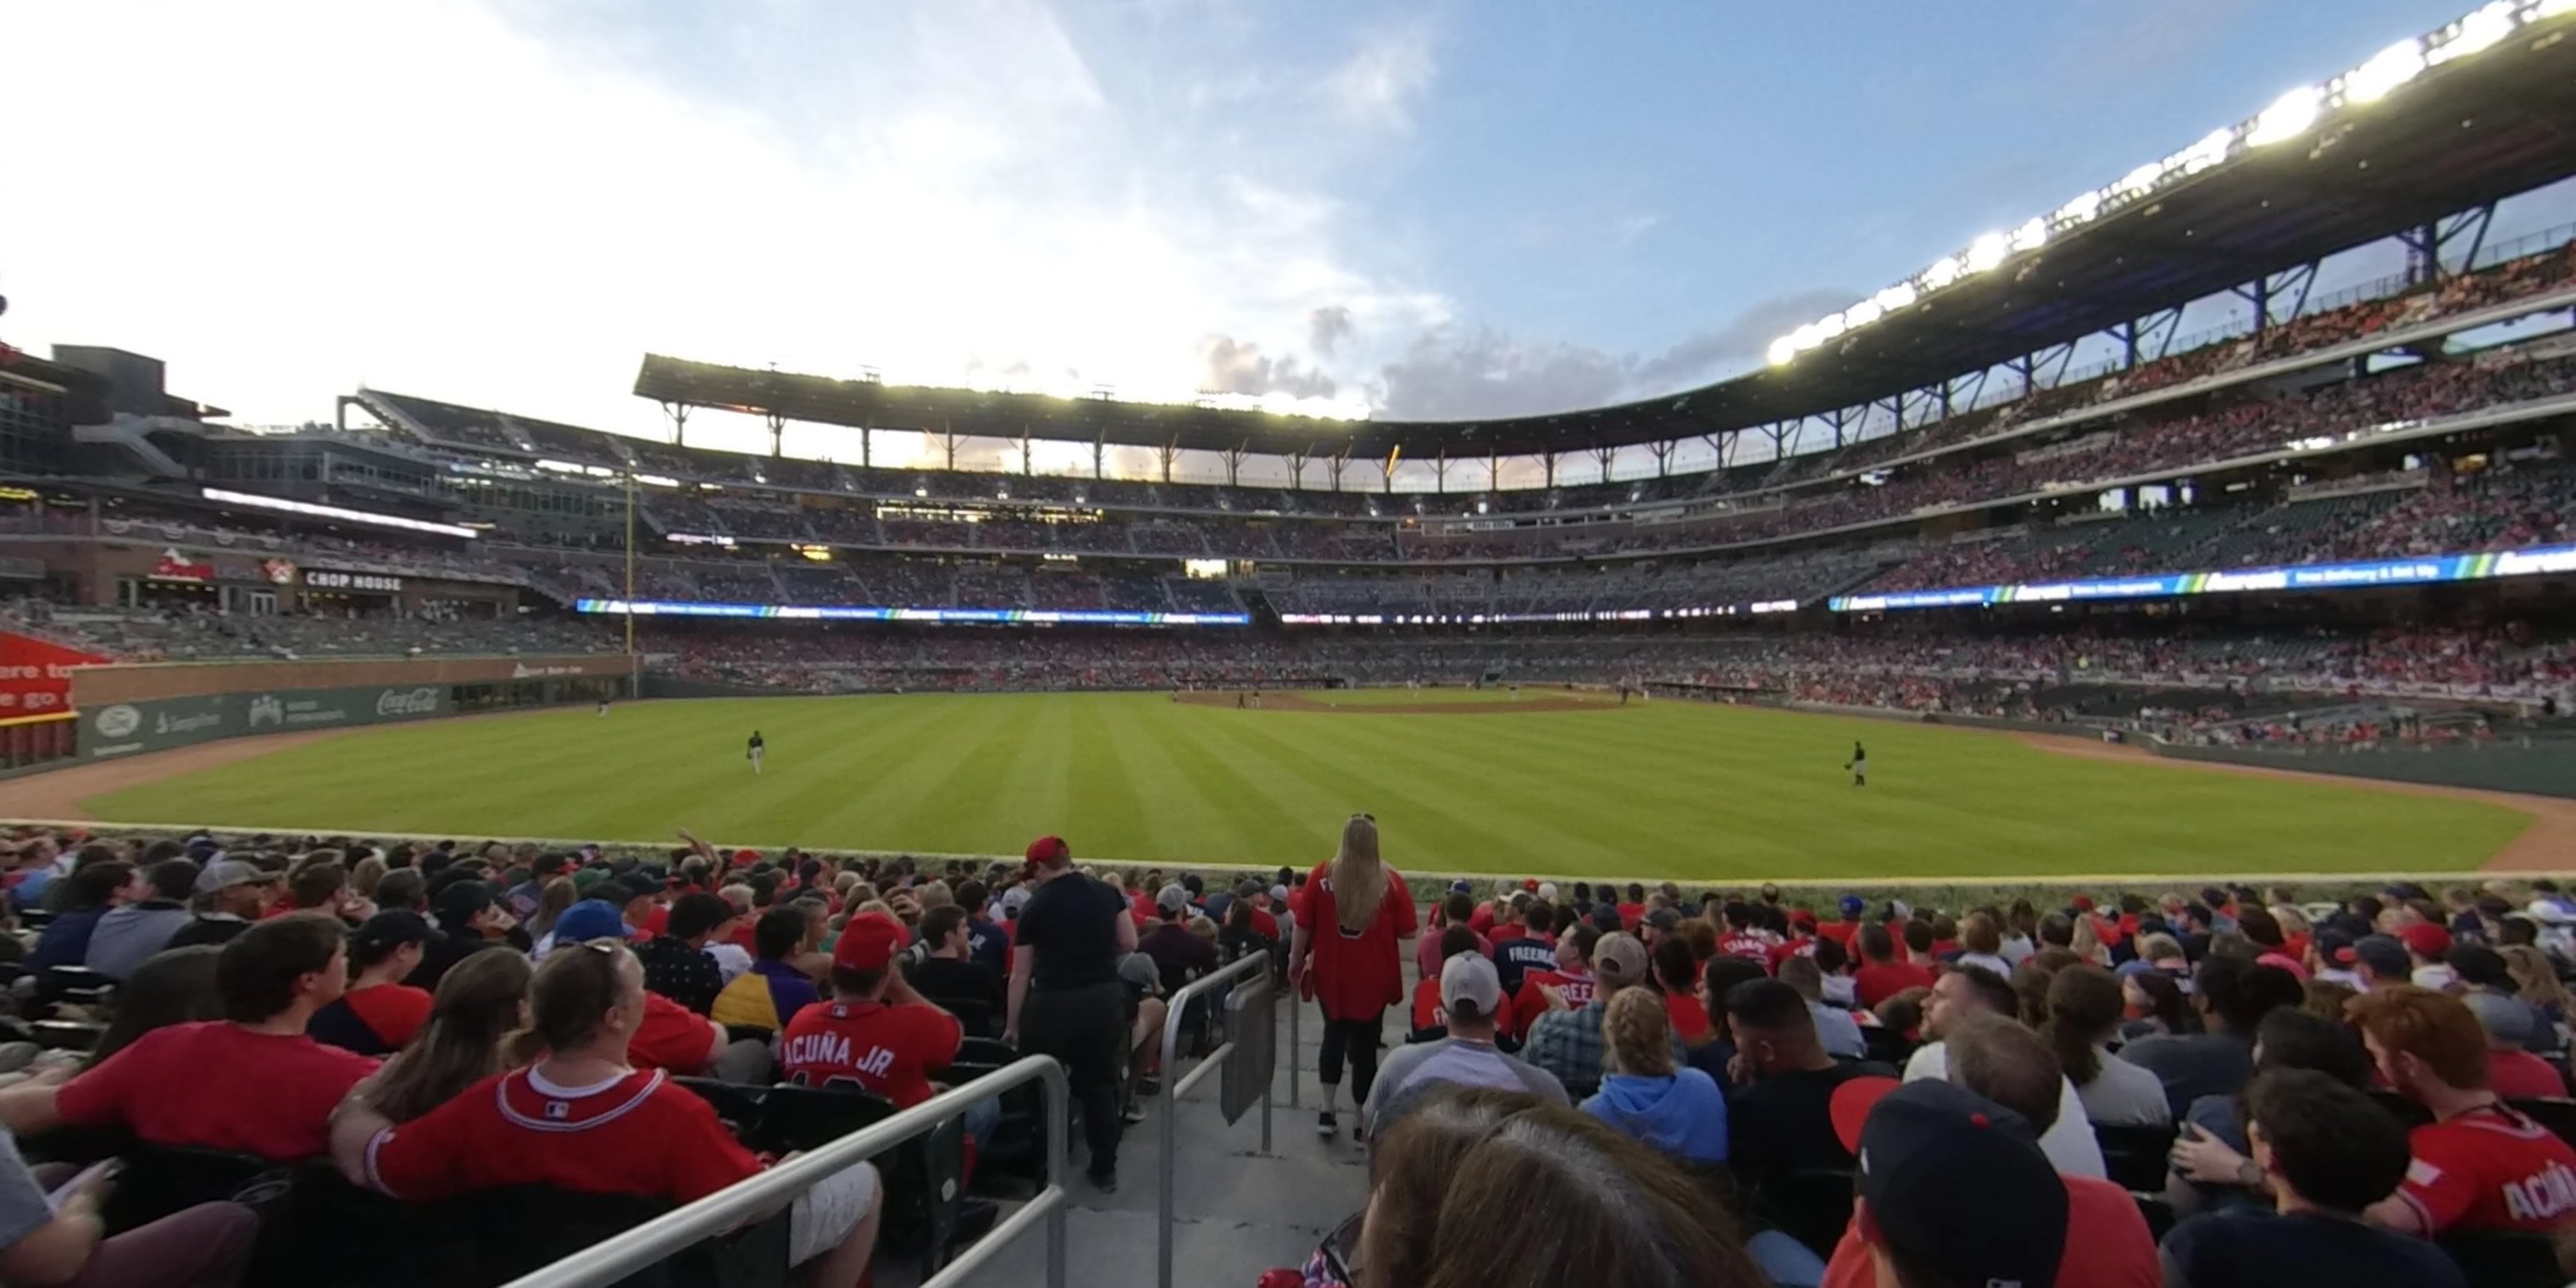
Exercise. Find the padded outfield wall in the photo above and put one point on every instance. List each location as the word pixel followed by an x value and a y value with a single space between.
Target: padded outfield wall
pixel 132 708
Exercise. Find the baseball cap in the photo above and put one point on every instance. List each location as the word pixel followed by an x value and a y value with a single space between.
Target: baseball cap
pixel 1014 899
pixel 2334 947
pixel 458 901
pixel 1619 959
pixel 1470 977
pixel 1530 884
pixel 1460 886
pixel 1049 849
pixel 2549 913
pixel 869 941
pixel 2424 939
pixel 1850 905
pixel 1606 916
pixel 2383 955
pixel 1664 919
pixel 587 920
pixel 2507 1020
pixel 1953 1182
pixel 1547 891
pixel 224 874
pixel 388 930
pixel 1140 970
pixel 1171 898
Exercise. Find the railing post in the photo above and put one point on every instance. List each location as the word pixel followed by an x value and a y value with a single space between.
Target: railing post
pixel 1174 1086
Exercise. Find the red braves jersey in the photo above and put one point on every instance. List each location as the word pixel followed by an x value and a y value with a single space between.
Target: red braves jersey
pixel 1529 1003
pixel 1751 945
pixel 889 1050
pixel 637 1134
pixel 2489 1169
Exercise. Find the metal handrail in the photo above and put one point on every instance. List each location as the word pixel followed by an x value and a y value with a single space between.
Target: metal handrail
pixel 613 1259
pixel 1173 1087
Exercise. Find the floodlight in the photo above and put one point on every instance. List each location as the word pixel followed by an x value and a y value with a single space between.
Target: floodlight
pixel 2550 9
pixel 1944 271
pixel 1783 349
pixel 2211 150
pixel 2081 210
pixel 2288 117
pixel 2476 31
pixel 2030 236
pixel 2386 70
pixel 2143 179
pixel 1862 314
pixel 1829 326
pixel 1987 251
pixel 1895 297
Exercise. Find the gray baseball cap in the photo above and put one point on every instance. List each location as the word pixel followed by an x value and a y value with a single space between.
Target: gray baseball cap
pixel 224 874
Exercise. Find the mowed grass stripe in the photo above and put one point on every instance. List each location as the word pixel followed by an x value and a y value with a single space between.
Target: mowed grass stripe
pixel 1428 818
pixel 1677 789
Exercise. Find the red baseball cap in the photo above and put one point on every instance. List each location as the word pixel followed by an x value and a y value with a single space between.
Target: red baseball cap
pixel 745 858
pixel 2083 903
pixel 1049 849
pixel 1851 1104
pixel 2424 939
pixel 1530 884
pixel 869 941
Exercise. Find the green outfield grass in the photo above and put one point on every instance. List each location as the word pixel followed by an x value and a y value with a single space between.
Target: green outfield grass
pixel 1665 789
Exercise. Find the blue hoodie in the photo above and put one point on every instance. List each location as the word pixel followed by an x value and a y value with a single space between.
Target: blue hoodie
pixel 1683 1115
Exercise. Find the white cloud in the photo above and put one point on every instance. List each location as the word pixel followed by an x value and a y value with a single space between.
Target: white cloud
pixel 1379 83
pixel 501 206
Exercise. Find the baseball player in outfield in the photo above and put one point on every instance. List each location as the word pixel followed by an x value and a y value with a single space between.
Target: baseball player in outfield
pixel 753 749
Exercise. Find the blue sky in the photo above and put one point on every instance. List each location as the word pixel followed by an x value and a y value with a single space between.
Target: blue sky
pixel 1442 209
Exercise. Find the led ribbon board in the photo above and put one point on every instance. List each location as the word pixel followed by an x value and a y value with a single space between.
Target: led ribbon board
pixel 840 613
pixel 2422 570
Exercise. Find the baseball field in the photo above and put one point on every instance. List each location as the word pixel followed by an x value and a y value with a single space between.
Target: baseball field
pixel 1459 782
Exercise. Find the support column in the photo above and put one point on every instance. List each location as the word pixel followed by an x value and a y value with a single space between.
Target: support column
pixel 1234 464
pixel 1296 471
pixel 1334 465
pixel 1440 474
pixel 679 417
pixel 867 448
pixel 1028 460
pixel 1547 461
pixel 1168 452
pixel 1099 460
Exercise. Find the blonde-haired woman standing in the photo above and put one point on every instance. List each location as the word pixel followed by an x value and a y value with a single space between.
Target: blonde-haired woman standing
pixel 1353 919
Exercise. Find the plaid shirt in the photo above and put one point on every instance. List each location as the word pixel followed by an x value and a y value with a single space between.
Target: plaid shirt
pixel 1568 1044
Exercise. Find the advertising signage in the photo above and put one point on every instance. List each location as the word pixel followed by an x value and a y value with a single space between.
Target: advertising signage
pixel 841 613
pixel 2417 570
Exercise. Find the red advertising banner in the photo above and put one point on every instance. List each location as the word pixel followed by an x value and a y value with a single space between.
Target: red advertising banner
pixel 36 675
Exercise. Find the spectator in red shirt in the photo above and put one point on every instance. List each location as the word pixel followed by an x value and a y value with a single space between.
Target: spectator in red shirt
pixel 1634 909
pixel 1348 955
pixel 251 1083
pixel 379 1014
pixel 1677 974
pixel 585 1119
pixel 1455 910
pixel 1881 976
pixel 1841 932
pixel 876 1033
pixel 2479 1165
pixel 2513 1072
pixel 1572 978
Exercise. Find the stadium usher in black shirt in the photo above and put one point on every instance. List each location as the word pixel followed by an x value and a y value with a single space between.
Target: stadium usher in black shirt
pixel 1071 927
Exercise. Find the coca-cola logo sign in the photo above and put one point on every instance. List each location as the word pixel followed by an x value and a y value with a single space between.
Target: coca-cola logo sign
pixel 422 701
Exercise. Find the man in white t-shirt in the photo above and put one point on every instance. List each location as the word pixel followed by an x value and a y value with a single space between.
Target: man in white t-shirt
pixel 1471 997
pixel 1964 995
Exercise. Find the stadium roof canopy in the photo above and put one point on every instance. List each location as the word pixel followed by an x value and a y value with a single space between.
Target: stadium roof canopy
pixel 2478 111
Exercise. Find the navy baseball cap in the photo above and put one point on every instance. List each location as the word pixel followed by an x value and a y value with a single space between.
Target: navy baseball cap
pixel 1953 1182
pixel 1851 906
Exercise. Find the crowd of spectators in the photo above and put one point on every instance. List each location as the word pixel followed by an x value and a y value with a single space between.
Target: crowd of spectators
pixel 2120 1087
